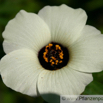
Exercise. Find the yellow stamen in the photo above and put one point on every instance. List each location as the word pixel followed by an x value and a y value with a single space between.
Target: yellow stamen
pixel 58 47
pixel 52 63
pixel 50 45
pixel 60 61
pixel 61 55
pixel 53 59
pixel 44 56
pixel 57 62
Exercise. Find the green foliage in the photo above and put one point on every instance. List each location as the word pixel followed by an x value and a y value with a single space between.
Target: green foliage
pixel 94 88
pixel 8 10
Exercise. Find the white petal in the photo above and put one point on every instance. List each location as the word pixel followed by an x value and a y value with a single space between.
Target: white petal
pixel 62 82
pixel 19 70
pixel 89 31
pixel 87 52
pixel 64 22
pixel 26 30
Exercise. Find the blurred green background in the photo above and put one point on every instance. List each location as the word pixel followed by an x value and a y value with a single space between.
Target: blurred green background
pixel 8 10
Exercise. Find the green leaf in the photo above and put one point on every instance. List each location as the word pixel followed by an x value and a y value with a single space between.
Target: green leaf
pixel 94 88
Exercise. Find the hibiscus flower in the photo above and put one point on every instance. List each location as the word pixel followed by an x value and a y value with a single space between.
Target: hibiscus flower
pixel 52 52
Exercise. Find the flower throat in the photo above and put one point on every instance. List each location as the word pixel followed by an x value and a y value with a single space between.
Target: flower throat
pixel 53 56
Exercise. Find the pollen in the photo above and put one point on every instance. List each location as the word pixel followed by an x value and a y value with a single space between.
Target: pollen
pixel 53 54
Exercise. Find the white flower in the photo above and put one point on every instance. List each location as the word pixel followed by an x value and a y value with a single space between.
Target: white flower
pixel 27 33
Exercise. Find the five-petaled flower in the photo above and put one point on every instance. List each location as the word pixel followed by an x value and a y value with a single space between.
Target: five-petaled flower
pixel 52 52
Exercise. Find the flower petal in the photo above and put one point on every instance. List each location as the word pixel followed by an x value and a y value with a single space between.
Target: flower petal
pixel 64 22
pixel 63 82
pixel 19 70
pixel 26 30
pixel 87 52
